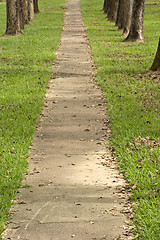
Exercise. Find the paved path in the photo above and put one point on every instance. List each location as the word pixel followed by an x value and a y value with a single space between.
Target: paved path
pixel 73 178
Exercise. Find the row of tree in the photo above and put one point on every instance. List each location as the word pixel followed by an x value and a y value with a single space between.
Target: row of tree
pixel 19 13
pixel 128 16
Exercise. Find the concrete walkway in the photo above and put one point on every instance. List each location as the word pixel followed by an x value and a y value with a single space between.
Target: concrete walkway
pixel 75 184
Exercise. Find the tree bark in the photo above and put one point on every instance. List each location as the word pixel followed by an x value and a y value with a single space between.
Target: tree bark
pixel 21 16
pixel 121 14
pixel 13 18
pixel 128 17
pixel 112 11
pixel 156 63
pixel 105 6
pixel 136 29
pixel 36 9
pixel 25 11
pixel 30 10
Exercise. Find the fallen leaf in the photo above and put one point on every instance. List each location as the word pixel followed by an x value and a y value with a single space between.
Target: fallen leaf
pixel 21 202
pixel 41 184
pixel 134 186
pixel 86 130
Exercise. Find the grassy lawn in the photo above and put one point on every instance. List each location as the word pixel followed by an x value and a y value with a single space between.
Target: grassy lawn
pixel 25 69
pixel 132 97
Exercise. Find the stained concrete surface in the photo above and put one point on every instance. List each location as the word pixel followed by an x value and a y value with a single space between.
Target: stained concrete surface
pixel 74 180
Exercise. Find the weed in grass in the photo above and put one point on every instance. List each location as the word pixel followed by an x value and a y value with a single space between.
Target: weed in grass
pixel 25 69
pixel 132 97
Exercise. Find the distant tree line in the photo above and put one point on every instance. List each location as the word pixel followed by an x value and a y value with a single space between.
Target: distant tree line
pixel 128 16
pixel 19 13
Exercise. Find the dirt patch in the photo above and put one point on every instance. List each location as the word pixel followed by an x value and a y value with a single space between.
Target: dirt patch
pixel 152 4
pixel 106 43
pixel 52 9
pixel 153 76
pixel 151 143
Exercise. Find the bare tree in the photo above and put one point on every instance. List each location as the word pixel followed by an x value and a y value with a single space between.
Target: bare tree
pixel 156 63
pixel 136 28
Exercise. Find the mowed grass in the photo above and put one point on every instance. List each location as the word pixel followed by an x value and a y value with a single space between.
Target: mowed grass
pixel 25 69
pixel 133 102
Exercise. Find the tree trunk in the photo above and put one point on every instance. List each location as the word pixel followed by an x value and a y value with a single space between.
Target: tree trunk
pixel 121 14
pixel 25 11
pixel 36 9
pixel 21 16
pixel 156 62
pixel 128 18
pixel 30 10
pixel 112 11
pixel 105 6
pixel 136 29
pixel 13 18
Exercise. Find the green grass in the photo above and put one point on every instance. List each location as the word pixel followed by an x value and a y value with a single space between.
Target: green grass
pixel 25 69
pixel 132 97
